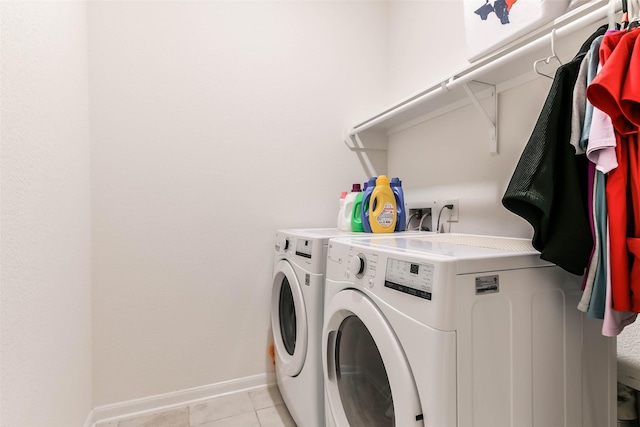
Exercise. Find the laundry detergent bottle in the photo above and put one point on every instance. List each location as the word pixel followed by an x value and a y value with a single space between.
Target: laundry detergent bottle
pixel 349 201
pixel 342 223
pixel 356 212
pixel 382 207
pixel 396 187
pixel 366 197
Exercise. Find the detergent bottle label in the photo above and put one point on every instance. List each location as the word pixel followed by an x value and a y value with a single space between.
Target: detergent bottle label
pixel 387 215
pixel 382 209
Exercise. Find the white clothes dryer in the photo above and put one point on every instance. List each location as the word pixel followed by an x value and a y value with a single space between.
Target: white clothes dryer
pixel 458 330
pixel 297 301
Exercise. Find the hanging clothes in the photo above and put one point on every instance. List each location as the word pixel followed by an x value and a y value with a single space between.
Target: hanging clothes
pixel 546 188
pixel 600 150
pixel 579 106
pixel 611 86
pixel 594 298
pixel 593 285
pixel 578 180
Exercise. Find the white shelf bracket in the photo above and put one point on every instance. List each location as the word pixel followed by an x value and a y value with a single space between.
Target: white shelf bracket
pixel 349 140
pixel 490 116
pixel 375 141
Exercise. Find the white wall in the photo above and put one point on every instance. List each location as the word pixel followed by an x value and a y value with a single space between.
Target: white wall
pixel 448 157
pixel 45 289
pixel 426 44
pixel 213 124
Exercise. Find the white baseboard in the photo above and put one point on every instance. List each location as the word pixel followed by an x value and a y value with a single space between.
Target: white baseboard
pixel 175 399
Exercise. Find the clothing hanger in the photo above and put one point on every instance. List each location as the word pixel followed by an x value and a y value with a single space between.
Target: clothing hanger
pixel 611 13
pixel 625 14
pixel 634 14
pixel 548 59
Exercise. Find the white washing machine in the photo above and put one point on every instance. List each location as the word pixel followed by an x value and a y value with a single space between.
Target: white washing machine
pixel 457 330
pixel 297 301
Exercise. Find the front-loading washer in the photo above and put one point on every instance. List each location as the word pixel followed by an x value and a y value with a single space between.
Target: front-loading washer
pixel 458 330
pixel 297 301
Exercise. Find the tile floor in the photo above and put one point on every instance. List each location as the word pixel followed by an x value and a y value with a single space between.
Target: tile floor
pixel 260 407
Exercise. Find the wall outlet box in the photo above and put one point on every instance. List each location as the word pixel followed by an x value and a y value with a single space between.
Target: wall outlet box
pixel 420 215
pixel 454 214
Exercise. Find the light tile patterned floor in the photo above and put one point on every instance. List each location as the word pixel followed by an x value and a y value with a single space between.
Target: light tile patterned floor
pixel 260 407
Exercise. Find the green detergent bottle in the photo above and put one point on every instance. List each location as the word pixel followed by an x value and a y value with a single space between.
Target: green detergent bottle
pixel 356 212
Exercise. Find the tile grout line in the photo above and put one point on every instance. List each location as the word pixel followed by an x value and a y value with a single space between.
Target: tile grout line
pixel 265 399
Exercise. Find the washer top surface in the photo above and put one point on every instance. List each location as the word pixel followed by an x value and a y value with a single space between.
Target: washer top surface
pixel 465 249
pixel 317 233
pixel 329 233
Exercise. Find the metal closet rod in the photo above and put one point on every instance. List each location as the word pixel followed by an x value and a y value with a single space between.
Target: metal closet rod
pixel 454 81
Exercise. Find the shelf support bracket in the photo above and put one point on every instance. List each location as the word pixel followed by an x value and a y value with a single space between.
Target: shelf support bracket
pixel 376 141
pixel 490 116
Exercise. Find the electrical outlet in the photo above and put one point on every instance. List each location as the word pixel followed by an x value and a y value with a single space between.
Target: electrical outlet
pixel 454 214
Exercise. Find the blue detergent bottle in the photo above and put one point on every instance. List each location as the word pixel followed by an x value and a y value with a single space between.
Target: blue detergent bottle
pixel 366 197
pixel 396 187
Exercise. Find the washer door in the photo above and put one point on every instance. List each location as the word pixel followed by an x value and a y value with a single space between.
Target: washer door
pixel 288 319
pixel 368 381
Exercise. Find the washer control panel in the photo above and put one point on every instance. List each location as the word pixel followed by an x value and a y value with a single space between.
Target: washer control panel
pixel 357 265
pixel 282 244
pixel 304 248
pixel 362 266
pixel 413 278
pixel 409 277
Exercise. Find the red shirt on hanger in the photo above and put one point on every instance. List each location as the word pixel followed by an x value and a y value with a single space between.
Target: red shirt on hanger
pixel 606 90
pixel 630 99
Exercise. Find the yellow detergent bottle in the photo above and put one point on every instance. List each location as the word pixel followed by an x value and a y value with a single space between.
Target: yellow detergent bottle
pixel 382 207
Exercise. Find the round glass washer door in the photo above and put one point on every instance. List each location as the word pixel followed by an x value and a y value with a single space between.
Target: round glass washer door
pixel 368 381
pixel 288 319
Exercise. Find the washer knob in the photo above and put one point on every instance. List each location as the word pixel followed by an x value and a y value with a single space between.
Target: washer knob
pixel 285 244
pixel 357 265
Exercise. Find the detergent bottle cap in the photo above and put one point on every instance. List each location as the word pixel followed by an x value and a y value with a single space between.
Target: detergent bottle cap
pixel 355 188
pixel 382 180
pixel 395 182
pixel 343 194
